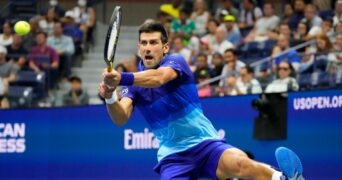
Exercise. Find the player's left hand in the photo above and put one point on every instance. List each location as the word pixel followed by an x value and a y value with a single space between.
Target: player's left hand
pixel 111 79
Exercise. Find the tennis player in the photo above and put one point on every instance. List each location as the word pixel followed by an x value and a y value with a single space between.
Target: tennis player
pixel 165 92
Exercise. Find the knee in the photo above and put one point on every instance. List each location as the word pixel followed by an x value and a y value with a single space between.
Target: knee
pixel 244 166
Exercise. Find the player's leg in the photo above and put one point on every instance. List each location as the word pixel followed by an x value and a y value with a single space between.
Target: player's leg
pixel 235 163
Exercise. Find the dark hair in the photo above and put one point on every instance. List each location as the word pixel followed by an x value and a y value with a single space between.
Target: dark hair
pixel 249 69
pixel 43 33
pixel 75 79
pixel 214 21
pixel 231 50
pixel 150 27
pixel 202 55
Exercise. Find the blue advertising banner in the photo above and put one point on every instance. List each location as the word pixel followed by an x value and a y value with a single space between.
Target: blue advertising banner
pixel 83 143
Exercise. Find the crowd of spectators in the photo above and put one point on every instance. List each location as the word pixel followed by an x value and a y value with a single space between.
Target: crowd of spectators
pixel 218 38
pixel 55 44
pixel 230 38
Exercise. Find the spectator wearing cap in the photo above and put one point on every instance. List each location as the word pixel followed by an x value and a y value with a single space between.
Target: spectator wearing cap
pixel 200 16
pixel 226 8
pixel 268 22
pixel 338 12
pixel 76 95
pixel 233 32
pixel 249 14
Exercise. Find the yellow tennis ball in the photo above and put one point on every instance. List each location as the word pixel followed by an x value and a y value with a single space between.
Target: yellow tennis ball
pixel 22 27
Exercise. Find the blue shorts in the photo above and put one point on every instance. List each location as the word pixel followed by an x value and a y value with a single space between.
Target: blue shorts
pixel 200 161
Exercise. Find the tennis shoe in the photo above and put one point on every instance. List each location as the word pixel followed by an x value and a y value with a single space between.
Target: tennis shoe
pixel 289 163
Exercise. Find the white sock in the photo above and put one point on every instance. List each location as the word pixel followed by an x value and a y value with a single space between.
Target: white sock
pixel 277 175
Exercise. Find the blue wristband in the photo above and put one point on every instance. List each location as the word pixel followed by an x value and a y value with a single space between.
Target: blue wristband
pixel 127 79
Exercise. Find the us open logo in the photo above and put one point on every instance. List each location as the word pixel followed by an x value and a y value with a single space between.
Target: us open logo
pixel 12 137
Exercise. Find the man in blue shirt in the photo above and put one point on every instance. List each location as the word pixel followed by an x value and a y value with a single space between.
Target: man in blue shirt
pixel 165 92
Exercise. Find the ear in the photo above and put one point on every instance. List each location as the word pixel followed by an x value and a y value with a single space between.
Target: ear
pixel 166 48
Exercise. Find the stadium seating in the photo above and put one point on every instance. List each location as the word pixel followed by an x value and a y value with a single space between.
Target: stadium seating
pixel 34 80
pixel 20 96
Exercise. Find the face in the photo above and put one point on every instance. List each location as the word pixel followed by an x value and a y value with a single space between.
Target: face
pixel 321 44
pixel 299 5
pixel 199 5
pixel 268 10
pixel 7 28
pixel 58 29
pixel 220 35
pixel 201 62
pixel 246 4
pixel 217 60
pixel 17 39
pixel 283 70
pixel 243 74
pixel 288 10
pixel 212 27
pixel 302 29
pixel 50 14
pixel 40 38
pixel 229 24
pixel 339 40
pixel 178 44
pixel 229 57
pixel 151 49
pixel 309 13
pixel 75 85
pixel 283 42
pixel 284 29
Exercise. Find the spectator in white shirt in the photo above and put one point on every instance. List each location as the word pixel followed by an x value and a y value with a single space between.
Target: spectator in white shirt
pixel 221 43
pixel 284 81
pixel 265 24
pixel 338 12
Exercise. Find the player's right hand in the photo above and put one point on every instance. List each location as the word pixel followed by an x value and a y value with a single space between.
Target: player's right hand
pixel 105 91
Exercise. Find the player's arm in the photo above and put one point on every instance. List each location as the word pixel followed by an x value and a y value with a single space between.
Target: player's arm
pixel 154 77
pixel 149 78
pixel 119 111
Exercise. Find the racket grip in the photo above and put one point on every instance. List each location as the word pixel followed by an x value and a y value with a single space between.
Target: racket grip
pixel 110 67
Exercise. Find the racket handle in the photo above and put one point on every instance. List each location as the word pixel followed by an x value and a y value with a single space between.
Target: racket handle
pixel 110 67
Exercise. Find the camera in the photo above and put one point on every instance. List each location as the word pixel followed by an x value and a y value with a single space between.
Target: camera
pixel 271 122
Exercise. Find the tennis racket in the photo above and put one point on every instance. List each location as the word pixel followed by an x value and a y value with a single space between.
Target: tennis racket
pixel 112 38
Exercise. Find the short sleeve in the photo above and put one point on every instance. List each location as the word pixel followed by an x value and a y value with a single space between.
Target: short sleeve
pixel 128 91
pixel 178 63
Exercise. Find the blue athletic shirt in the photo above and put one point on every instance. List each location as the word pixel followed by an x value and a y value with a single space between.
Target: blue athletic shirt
pixel 173 110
